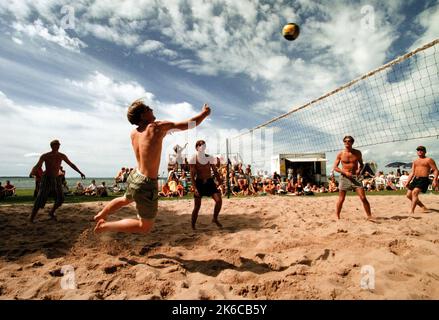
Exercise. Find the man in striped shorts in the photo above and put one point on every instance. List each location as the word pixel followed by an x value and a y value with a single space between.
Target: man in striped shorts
pixel 51 181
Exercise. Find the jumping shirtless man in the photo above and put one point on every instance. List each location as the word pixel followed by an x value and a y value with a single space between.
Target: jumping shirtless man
pixel 350 179
pixel 202 166
pixel 51 181
pixel 420 171
pixel 142 186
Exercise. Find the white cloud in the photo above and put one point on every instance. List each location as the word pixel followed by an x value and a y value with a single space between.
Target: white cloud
pixel 157 47
pixel 223 38
pixel 56 35
pixel 32 155
pixel 17 41
pixel 112 34
pixel 105 91
pixel 229 37
pixel 97 138
pixel 429 20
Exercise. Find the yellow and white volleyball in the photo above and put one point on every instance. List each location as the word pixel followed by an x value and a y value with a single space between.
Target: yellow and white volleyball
pixel 290 31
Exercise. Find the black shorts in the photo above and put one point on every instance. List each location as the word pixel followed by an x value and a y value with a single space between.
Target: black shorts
pixel 206 188
pixel 420 183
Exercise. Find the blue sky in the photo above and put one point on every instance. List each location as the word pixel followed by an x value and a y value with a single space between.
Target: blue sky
pixel 74 82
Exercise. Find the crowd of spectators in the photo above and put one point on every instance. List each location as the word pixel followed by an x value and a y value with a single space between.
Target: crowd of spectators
pixel 242 182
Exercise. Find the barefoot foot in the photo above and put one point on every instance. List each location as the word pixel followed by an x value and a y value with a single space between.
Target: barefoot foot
pixel 425 210
pixel 217 223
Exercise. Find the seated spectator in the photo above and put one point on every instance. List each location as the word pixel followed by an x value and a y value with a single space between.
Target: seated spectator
pixel 299 188
pixel 183 181
pixel 65 188
pixel 256 187
pixel 390 185
pixel 323 189
pixel 234 187
pixel 281 188
pixel 315 189
pixel 91 189
pixel 276 178
pixel 125 175
pixel 180 190
pixel 172 184
pixel 403 180
pixel 119 176
pixel 307 191
pixel 172 175
pixel 222 188
pixel 332 185
pixel 380 182
pixel 102 191
pixel 166 192
pixel 9 190
pixel 290 186
pixel 79 191
pixel 270 188
pixel 2 191
pixel 246 190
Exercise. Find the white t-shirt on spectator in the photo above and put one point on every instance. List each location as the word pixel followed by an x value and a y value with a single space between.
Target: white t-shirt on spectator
pixel 403 180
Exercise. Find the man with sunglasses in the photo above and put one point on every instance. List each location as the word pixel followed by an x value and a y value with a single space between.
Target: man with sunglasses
pixel 350 179
pixel 418 180
pixel 142 183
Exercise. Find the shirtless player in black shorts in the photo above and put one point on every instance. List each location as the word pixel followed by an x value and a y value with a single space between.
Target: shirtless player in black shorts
pixel 202 166
pixel 420 174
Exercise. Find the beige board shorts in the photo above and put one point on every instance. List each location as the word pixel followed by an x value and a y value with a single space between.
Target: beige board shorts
pixel 144 191
pixel 346 184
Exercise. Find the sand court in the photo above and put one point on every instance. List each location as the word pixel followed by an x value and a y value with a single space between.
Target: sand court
pixel 271 247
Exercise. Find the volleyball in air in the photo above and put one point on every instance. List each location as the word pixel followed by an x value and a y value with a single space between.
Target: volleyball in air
pixel 290 31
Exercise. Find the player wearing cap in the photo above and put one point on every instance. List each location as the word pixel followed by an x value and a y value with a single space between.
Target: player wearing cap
pixel 418 180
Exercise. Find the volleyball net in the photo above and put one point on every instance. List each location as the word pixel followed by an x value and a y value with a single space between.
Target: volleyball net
pixel 398 101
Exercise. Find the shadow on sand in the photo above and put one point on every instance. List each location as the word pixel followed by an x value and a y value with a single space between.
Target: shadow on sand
pixel 19 238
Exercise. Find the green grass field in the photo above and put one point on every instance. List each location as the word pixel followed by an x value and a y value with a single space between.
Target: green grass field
pixel 25 196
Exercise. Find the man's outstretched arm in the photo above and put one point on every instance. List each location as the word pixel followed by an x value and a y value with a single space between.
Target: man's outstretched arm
pixel 361 163
pixel 184 125
pixel 72 165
